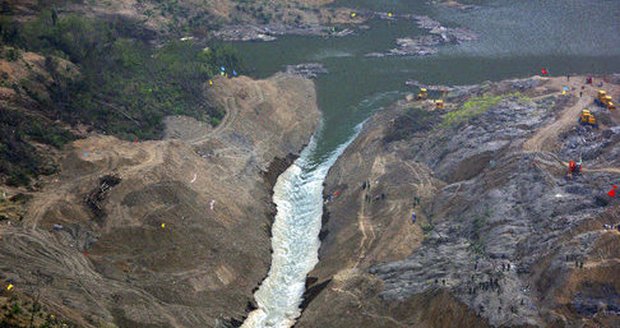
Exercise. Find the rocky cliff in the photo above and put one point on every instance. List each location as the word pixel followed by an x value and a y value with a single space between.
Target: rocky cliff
pixel 501 236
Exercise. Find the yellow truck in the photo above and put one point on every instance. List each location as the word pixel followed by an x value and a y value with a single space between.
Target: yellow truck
pixel 423 94
pixel 604 100
pixel 587 118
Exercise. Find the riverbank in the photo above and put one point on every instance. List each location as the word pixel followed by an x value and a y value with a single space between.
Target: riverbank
pixel 498 226
pixel 171 233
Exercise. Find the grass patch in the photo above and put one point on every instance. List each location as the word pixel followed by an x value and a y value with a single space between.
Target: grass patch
pixel 471 108
pixel 477 106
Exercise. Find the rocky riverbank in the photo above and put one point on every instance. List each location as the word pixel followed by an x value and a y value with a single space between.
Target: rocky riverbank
pixel 182 236
pixel 271 32
pixel 502 236
pixel 425 45
pixel 307 70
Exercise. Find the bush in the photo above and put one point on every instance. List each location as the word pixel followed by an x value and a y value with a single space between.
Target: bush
pixel 427 228
pixel 12 54
pixel 17 178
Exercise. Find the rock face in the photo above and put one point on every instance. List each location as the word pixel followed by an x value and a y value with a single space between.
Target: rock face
pixel 171 233
pixel 502 236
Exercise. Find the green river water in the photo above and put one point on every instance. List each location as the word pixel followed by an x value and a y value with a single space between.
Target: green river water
pixel 516 40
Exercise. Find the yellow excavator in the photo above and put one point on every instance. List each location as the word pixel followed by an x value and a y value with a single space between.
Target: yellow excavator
pixel 439 104
pixel 422 95
pixel 587 118
pixel 603 100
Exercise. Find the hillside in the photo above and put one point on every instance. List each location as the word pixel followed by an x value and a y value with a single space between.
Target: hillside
pixel 193 17
pixel 502 238
pixel 171 233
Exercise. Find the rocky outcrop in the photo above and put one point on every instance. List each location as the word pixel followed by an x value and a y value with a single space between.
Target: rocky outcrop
pixel 425 45
pixel 171 233
pixel 502 236
pixel 272 31
pixel 307 70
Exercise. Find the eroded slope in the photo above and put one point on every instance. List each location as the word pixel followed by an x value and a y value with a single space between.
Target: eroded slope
pixel 501 232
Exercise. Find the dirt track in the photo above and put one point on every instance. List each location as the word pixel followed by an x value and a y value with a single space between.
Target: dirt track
pixel 546 138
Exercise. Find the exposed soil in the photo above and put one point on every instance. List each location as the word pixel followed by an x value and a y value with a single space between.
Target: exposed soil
pixel 171 233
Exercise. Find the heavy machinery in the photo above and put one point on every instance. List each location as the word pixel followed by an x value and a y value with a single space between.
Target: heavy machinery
pixel 439 104
pixel 603 100
pixel 423 94
pixel 587 118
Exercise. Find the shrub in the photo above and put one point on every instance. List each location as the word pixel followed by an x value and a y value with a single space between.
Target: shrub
pixel 427 228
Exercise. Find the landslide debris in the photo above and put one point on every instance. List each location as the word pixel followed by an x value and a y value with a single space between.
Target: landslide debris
pixel 94 200
pixel 502 236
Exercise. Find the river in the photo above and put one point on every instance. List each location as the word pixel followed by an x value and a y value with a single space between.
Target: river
pixel 517 39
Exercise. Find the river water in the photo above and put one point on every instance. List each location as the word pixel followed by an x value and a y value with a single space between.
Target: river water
pixel 517 39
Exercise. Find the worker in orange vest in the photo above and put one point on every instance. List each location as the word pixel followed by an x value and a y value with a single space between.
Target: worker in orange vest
pixel 572 166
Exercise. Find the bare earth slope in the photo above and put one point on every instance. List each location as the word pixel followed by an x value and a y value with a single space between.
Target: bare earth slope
pixel 501 232
pixel 171 233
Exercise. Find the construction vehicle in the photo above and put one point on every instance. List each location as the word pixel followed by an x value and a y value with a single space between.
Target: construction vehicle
pixel 439 104
pixel 587 118
pixel 605 101
pixel 423 94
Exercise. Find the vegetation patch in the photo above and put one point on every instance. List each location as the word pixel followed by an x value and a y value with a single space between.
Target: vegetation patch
pixel 476 240
pixel 19 159
pixel 125 87
pixel 471 108
pixel 477 106
pixel 427 228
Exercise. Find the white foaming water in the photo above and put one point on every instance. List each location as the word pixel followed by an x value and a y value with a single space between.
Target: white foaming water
pixel 298 195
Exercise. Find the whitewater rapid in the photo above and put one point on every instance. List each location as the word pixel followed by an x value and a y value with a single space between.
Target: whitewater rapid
pixel 298 195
